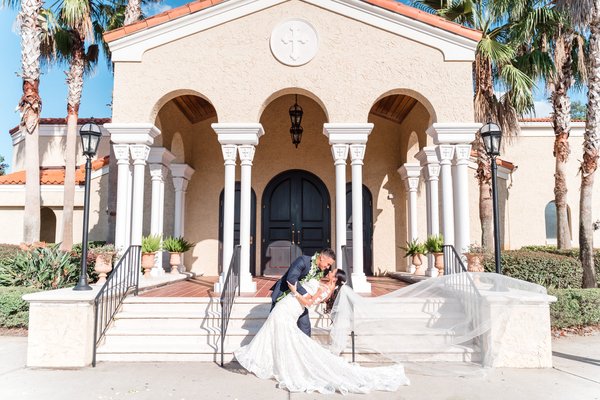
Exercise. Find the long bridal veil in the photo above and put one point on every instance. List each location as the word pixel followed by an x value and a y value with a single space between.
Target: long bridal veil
pixel 444 318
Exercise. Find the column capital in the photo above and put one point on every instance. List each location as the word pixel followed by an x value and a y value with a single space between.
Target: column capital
pixel 121 153
pixel 462 153
pixel 410 174
pixel 158 172
pixel 139 153
pixel 347 133
pixel 229 153
pixel 132 133
pixel 445 153
pixel 246 153
pixel 182 171
pixel 238 133
pixel 429 161
pixel 160 155
pixel 453 132
pixel 357 153
pixel 340 153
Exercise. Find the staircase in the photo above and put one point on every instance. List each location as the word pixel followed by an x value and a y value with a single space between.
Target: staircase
pixel 187 329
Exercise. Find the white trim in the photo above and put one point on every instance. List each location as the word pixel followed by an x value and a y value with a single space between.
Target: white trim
pixel 132 47
pixel 347 132
pixel 52 130
pixel 43 188
pixel 545 129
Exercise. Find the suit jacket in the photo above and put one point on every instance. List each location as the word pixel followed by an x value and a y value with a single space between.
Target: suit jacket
pixel 296 272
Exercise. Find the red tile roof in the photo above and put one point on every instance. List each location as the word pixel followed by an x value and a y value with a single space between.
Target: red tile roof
pixel 391 5
pixel 63 121
pixel 53 175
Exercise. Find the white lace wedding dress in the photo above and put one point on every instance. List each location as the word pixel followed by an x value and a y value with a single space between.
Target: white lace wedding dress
pixel 280 350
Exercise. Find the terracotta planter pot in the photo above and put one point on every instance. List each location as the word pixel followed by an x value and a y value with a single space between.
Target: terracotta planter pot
pixel 474 260
pixel 175 261
pixel 148 263
pixel 439 262
pixel 417 261
pixel 103 266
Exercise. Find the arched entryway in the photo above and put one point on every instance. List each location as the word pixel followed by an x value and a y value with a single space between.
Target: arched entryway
pixel 295 219
pixel 367 201
pixel 47 225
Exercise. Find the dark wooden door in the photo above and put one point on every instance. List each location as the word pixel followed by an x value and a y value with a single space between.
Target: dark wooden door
pixel 295 219
pixel 236 226
pixel 367 200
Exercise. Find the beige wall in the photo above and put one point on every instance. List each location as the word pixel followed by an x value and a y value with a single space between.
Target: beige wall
pixel 356 65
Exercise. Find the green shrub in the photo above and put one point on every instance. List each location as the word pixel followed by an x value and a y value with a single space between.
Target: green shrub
pixel 41 268
pixel 575 307
pixel 7 251
pixel 546 269
pixel 573 253
pixel 151 243
pixel 14 311
pixel 434 244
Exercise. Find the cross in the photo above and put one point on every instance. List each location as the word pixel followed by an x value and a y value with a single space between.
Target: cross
pixel 293 38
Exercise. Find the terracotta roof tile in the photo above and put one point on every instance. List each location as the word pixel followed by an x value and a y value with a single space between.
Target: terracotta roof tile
pixel 503 163
pixel 54 175
pixel 63 121
pixel 391 5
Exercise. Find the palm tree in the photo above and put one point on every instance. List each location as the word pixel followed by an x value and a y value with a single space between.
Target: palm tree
pixel 586 14
pixel 494 64
pixel 30 108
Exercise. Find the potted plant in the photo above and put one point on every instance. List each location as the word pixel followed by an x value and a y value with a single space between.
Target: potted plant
pixel 415 249
pixel 103 256
pixel 175 246
pixel 474 256
pixel 150 245
pixel 434 245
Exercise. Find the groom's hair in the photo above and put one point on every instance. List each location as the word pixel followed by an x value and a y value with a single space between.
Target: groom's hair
pixel 328 253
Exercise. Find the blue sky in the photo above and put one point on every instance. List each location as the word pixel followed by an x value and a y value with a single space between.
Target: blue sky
pixel 97 92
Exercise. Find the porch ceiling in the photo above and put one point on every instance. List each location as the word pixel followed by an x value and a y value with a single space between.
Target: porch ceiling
pixel 195 108
pixel 394 108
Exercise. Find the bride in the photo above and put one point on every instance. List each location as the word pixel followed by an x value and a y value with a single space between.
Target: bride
pixel 280 350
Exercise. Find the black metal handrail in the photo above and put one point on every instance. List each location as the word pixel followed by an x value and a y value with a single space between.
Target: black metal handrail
pixel 124 278
pixel 230 287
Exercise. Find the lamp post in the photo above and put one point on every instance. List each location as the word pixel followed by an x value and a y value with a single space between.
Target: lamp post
pixel 296 118
pixel 90 137
pixel 492 138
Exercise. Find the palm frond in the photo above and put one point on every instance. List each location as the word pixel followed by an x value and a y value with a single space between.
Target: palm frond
pixel 498 53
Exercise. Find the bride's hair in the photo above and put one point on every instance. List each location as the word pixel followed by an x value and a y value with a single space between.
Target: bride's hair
pixel 340 279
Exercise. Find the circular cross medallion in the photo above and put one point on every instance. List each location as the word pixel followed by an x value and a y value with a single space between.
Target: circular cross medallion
pixel 294 42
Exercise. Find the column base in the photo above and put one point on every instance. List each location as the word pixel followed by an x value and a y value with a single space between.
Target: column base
pixel 432 272
pixel 218 287
pixel 360 284
pixel 247 285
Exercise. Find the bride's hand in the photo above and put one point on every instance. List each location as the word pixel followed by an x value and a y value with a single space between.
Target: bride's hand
pixel 293 288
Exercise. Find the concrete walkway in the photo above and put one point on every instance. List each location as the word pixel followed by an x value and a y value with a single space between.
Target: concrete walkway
pixel 575 376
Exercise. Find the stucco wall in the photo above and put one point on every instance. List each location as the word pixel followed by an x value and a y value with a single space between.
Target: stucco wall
pixel 232 66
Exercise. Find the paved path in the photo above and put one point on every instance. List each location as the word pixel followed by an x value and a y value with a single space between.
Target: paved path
pixel 575 376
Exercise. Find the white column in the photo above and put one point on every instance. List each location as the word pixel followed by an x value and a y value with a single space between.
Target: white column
pixel 122 154
pixel 461 197
pixel 181 173
pixel 359 279
pixel 159 160
pixel 340 155
pixel 431 168
pixel 445 154
pixel 233 136
pixel 410 173
pixel 139 154
pixel 129 213
pixel 246 152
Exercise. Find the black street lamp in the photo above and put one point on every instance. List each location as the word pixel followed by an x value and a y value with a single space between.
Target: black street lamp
pixel 492 138
pixel 90 137
pixel 296 118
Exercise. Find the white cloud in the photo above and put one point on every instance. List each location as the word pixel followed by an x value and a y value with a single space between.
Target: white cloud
pixel 154 8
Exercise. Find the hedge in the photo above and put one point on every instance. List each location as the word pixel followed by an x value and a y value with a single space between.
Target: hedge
pixel 14 311
pixel 575 307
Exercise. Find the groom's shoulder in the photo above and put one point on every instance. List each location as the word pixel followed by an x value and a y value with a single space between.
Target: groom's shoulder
pixel 302 261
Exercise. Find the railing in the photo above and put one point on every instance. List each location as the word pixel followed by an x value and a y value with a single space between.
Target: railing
pixel 461 283
pixel 230 287
pixel 124 278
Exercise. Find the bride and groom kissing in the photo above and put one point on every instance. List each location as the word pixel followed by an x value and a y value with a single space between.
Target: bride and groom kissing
pixel 283 350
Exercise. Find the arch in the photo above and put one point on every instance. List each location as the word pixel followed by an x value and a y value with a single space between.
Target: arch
pixel 411 93
pixel 291 90
pixel 165 98
pixel 550 222
pixel 47 225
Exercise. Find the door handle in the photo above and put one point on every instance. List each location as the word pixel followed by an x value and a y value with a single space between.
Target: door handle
pixel 251 240
pixel 298 233
pixel 293 234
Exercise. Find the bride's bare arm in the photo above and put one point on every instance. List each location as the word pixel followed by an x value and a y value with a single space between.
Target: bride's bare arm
pixel 306 300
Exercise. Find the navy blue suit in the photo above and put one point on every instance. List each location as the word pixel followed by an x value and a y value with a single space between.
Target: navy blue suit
pixel 295 273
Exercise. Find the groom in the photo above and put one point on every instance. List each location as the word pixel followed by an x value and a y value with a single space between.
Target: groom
pixel 303 269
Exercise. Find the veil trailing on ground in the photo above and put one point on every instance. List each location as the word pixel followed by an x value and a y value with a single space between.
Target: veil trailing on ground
pixel 445 318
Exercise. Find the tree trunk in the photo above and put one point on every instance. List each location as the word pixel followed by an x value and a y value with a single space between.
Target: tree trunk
pixel 133 11
pixel 562 125
pixel 30 107
pixel 75 85
pixel 590 156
